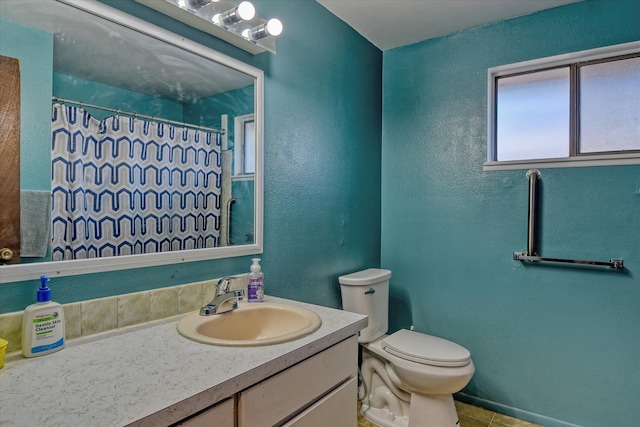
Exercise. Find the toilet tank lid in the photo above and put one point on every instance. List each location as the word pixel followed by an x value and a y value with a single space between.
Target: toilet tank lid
pixel 365 277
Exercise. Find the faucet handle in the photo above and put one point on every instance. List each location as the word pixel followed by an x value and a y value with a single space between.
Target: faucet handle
pixel 224 283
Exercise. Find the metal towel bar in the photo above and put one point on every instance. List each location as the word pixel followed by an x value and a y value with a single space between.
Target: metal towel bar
pixel 230 202
pixel 531 255
pixel 616 264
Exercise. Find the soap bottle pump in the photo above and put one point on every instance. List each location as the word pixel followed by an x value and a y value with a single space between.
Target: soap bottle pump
pixel 255 287
pixel 42 324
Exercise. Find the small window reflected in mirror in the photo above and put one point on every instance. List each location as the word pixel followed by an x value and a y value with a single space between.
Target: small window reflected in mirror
pixel 245 145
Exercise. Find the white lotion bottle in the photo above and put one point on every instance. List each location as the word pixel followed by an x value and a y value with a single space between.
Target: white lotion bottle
pixel 255 286
pixel 42 324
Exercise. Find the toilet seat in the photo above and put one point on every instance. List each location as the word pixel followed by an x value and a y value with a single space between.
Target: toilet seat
pixel 426 349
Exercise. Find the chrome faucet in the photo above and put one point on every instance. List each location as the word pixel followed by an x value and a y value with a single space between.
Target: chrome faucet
pixel 224 299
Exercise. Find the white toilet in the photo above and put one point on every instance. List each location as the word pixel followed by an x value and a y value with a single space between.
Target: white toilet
pixel 409 377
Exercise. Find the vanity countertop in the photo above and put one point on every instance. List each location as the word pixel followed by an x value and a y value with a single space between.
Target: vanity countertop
pixel 149 375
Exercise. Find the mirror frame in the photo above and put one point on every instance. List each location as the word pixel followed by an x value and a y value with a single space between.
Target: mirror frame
pixel 21 272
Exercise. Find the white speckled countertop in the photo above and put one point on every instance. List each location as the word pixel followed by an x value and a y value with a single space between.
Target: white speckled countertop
pixel 148 375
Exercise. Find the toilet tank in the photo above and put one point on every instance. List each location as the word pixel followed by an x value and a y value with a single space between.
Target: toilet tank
pixel 367 292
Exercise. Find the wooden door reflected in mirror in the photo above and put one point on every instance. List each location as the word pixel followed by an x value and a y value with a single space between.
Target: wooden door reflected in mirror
pixel 9 158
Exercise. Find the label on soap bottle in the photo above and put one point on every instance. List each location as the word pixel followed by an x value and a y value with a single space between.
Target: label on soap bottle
pixel 47 334
pixel 255 290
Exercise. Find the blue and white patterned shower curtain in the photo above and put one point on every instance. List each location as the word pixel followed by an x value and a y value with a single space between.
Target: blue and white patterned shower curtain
pixel 127 186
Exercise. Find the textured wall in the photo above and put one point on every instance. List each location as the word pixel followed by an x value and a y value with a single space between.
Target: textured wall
pixel 87 91
pixel 553 344
pixel 322 165
pixel 36 76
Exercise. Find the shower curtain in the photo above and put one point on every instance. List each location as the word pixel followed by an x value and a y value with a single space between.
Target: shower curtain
pixel 126 186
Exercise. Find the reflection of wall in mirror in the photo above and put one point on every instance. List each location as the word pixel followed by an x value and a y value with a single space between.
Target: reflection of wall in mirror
pixel 209 110
pixel 238 102
pixel 86 91
pixel 242 219
pixel 34 49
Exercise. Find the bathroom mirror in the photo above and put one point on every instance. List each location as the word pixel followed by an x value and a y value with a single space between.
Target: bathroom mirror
pixel 90 56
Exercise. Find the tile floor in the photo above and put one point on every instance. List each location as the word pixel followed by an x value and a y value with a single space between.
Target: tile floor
pixel 472 416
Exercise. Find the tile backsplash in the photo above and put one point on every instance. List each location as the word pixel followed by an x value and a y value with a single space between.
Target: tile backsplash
pixel 104 314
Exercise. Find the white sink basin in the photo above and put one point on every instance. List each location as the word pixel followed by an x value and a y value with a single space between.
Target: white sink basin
pixel 251 324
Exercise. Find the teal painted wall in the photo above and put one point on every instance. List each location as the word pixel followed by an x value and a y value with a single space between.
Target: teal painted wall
pixel 207 111
pixel 87 91
pixel 323 115
pixel 556 345
pixel 242 222
pixel 34 49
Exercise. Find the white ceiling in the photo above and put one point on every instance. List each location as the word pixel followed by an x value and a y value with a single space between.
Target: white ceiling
pixel 392 23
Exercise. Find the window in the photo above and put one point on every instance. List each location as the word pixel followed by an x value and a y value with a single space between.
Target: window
pixel 580 109
pixel 610 106
pixel 533 115
pixel 245 148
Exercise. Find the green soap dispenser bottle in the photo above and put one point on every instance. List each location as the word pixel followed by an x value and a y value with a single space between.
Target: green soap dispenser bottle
pixel 42 324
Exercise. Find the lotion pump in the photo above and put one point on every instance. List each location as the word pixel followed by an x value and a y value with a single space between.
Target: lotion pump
pixel 255 287
pixel 42 324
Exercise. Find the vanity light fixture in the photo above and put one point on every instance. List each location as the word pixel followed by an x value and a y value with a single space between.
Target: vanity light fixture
pixel 236 23
pixel 194 4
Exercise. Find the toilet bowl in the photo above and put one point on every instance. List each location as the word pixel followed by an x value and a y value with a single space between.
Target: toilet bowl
pixel 408 377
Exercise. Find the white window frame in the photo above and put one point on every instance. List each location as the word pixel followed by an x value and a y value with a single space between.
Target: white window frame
pixel 238 147
pixel 630 158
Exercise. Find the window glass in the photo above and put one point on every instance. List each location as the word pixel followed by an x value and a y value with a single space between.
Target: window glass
pixel 249 145
pixel 610 106
pixel 532 115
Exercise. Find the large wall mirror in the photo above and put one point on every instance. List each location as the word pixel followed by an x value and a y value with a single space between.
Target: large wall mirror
pixel 137 147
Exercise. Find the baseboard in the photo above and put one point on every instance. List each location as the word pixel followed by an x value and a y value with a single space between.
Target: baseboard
pixel 512 412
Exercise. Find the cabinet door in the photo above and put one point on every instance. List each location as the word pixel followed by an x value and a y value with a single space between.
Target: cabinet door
pixel 337 409
pixel 293 390
pixel 219 415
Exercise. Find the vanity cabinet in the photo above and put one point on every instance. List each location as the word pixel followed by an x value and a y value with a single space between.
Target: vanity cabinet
pixel 309 382
pixel 321 390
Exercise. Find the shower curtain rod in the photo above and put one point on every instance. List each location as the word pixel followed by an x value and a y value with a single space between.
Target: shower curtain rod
pixel 136 115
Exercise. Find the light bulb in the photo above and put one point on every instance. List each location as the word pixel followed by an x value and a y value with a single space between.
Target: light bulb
pixel 243 12
pixel 273 27
pixel 246 11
